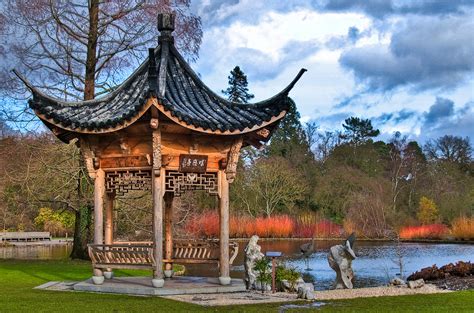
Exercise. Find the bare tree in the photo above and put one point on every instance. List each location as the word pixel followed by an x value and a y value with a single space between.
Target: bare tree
pixel 77 49
pixel 275 183
pixel 449 148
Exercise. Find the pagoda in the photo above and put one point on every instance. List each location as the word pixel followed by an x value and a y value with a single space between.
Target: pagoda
pixel 165 131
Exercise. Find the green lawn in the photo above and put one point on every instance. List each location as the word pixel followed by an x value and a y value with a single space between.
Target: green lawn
pixel 17 278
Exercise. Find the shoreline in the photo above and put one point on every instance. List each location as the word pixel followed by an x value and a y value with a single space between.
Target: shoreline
pixel 64 241
pixel 441 241
pixel 52 242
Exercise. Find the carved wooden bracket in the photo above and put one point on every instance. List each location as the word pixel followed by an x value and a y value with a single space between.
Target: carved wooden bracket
pixel 88 156
pixel 166 159
pixel 232 160
pixel 264 133
pixel 124 146
pixel 154 124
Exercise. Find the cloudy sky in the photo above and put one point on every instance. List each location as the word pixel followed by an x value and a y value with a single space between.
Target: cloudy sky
pixel 406 65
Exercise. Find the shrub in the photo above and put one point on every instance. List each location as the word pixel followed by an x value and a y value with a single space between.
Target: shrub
pixel 463 228
pixel 275 226
pixel 289 274
pixel 427 212
pixel 206 225
pixel 432 231
pixel 57 223
pixel 310 225
pixel 263 269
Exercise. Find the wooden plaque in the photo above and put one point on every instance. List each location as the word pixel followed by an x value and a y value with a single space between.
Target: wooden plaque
pixel 192 163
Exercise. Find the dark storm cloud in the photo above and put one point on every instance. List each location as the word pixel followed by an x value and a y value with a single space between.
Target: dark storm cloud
pixel 423 54
pixel 381 8
pixel 395 117
pixel 224 12
pixel 353 35
pixel 442 108
pixel 443 118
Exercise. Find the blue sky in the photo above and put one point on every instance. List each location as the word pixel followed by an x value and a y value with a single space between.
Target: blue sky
pixel 406 65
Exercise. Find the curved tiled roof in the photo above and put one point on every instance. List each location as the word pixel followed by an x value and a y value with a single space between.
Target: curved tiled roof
pixel 181 95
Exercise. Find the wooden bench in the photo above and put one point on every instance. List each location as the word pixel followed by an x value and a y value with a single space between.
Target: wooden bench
pixel 140 255
pixel 24 236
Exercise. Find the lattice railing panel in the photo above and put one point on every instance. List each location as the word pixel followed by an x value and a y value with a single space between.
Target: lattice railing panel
pixel 178 183
pixel 122 181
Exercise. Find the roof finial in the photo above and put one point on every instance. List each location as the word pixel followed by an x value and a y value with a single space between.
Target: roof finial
pixel 165 26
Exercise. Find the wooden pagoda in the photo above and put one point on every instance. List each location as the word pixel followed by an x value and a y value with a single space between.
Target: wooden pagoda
pixel 162 130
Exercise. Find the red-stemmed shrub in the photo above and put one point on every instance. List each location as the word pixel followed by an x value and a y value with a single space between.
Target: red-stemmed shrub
pixel 206 225
pixel 431 231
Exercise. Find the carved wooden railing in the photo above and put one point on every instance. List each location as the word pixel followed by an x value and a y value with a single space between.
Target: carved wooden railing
pixel 201 251
pixel 140 254
pixel 121 256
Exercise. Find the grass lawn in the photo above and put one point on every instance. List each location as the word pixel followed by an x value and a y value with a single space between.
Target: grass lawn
pixel 17 278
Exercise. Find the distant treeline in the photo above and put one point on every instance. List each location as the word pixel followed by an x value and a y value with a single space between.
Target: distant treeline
pixel 345 177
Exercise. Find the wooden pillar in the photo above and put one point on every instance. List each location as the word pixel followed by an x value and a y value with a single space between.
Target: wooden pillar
pixel 168 234
pixel 109 220
pixel 158 231
pixel 224 277
pixel 157 191
pixel 99 192
pixel 109 227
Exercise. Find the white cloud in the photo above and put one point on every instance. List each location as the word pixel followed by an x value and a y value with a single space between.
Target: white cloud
pixel 272 41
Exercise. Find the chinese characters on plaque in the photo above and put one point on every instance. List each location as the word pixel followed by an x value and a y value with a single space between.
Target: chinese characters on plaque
pixel 192 163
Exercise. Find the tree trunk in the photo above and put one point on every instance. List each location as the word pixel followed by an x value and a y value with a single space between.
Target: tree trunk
pixel 91 61
pixel 82 233
pixel 82 226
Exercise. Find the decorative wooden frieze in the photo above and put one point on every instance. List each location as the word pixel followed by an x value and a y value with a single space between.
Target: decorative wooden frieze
pixel 232 159
pixel 126 161
pixel 178 183
pixel 121 182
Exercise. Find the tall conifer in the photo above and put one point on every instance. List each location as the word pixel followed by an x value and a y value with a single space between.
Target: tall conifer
pixel 238 91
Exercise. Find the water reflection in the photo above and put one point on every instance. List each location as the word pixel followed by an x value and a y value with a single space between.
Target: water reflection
pixel 36 252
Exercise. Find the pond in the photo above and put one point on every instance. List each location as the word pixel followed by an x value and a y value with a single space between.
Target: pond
pixel 36 251
pixel 376 264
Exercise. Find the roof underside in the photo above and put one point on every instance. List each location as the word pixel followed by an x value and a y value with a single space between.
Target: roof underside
pixel 180 94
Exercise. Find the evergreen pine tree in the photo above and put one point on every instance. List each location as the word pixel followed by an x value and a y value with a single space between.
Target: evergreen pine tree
pixel 358 131
pixel 289 140
pixel 238 91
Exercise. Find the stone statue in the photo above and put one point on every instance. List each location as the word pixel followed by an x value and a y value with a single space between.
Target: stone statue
pixel 340 260
pixel 252 254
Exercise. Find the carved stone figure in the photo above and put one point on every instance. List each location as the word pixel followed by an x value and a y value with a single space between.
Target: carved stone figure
pixel 340 260
pixel 252 254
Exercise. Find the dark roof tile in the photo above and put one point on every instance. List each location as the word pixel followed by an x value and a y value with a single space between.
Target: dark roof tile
pixel 185 97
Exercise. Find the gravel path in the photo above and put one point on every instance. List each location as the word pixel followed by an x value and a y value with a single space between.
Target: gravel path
pixel 375 292
pixel 252 297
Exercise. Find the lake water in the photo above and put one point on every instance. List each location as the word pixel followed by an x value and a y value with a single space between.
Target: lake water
pixel 375 265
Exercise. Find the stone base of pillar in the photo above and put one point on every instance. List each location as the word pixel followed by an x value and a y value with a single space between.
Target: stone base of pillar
pixel 109 275
pixel 224 280
pixel 158 282
pixel 98 280
pixel 168 273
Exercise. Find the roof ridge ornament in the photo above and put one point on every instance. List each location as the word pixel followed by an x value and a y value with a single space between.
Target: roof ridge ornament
pixel 165 26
